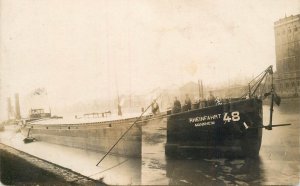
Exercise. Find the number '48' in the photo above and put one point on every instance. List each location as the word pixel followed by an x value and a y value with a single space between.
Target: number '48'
pixel 235 116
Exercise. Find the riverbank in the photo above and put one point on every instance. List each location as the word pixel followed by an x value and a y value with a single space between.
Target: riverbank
pixel 19 168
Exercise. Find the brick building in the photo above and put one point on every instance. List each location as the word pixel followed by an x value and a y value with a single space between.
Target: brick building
pixel 287 45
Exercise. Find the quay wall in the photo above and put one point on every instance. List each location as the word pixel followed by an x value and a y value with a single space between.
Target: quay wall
pixel 19 168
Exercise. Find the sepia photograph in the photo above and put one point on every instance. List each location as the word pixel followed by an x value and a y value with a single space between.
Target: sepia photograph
pixel 149 92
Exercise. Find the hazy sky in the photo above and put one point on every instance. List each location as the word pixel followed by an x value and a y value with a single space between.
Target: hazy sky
pixel 80 50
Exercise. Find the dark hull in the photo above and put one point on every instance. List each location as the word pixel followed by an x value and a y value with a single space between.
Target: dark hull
pixel 97 136
pixel 230 127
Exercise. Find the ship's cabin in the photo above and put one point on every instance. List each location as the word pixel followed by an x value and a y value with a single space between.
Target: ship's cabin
pixel 38 113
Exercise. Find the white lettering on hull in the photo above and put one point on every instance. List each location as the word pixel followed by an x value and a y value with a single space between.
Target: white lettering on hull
pixel 207 120
pixel 204 124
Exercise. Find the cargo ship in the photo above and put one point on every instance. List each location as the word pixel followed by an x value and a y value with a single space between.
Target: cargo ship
pixel 221 126
pixel 212 126
pixel 97 133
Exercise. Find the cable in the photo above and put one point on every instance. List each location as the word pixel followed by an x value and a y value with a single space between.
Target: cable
pixel 126 132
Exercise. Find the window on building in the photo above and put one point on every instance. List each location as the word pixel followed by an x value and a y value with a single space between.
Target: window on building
pixel 286 85
pixel 293 84
pixel 298 83
pixel 295 29
pixel 285 68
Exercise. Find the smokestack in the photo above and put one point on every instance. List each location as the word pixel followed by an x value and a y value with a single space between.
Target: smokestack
pixel 17 106
pixel 9 109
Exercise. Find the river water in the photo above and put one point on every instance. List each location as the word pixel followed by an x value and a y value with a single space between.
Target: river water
pixel 278 162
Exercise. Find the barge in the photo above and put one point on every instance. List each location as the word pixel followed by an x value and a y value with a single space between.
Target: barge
pixel 220 126
pixel 96 134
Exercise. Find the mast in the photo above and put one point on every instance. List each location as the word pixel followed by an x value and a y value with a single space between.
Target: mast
pixel 129 57
pixel 119 106
pixel 249 90
pixel 108 59
pixel 199 89
pixel 272 100
pixel 202 90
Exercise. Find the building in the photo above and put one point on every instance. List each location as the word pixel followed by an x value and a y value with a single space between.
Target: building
pixel 287 46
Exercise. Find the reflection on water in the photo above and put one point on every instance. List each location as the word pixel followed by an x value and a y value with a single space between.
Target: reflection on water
pixel 113 170
pixel 192 170
pixel 153 153
pixel 214 171
pixel 291 106
pixel 278 163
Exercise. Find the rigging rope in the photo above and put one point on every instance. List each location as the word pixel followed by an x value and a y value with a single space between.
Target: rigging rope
pixel 126 131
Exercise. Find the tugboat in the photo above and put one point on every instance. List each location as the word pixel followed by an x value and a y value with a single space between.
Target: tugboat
pixel 36 115
pixel 223 126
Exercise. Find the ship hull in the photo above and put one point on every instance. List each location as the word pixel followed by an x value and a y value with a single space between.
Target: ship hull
pixel 97 136
pixel 230 127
